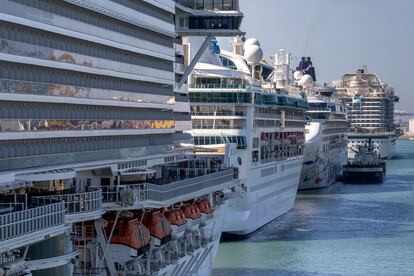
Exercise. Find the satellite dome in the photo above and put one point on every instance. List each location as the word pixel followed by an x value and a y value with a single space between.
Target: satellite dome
pixel 298 75
pixel 253 54
pixel 251 41
pixel 306 80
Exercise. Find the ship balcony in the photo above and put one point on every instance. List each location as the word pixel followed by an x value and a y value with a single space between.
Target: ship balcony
pixel 165 192
pixel 20 227
pixel 81 206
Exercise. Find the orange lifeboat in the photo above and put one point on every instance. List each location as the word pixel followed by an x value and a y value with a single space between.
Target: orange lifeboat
pixel 205 206
pixel 159 227
pixel 176 217
pixel 130 233
pixel 191 211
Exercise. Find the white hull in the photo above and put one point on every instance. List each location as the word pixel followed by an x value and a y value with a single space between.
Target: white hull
pixel 385 146
pixel 322 163
pixel 271 192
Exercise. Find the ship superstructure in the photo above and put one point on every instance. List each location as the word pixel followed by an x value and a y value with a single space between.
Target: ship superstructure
pixel 370 105
pixel 234 100
pixel 94 179
pixel 326 131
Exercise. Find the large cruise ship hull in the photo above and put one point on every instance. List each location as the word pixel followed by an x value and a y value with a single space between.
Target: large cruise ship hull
pixel 272 192
pixel 321 168
pixel 385 144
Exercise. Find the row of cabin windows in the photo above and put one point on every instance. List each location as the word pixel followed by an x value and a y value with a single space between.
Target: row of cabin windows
pixel 148 9
pixel 209 97
pixel 31 36
pixel 31 110
pixel 240 141
pixel 60 8
pixel 20 148
pixel 15 71
pixel 214 22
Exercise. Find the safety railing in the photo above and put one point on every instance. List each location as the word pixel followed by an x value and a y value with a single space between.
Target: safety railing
pixel 133 194
pixel 217 127
pixel 220 113
pixel 216 86
pixel 224 5
pixel 75 203
pixel 16 224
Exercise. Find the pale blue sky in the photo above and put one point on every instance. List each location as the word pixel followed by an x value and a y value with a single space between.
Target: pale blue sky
pixel 341 36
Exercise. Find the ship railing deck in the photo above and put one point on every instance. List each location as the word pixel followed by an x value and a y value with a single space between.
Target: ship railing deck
pixel 210 5
pixel 153 195
pixel 20 228
pixel 218 86
pixel 80 206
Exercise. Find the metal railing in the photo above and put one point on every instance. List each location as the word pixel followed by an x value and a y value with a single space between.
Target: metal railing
pixel 217 127
pixel 225 5
pixel 219 113
pixel 75 203
pixel 132 194
pixel 216 86
pixel 24 222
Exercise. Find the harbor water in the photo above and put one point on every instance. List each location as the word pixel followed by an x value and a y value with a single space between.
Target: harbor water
pixel 341 230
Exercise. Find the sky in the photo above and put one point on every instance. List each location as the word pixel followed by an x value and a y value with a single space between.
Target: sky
pixel 340 36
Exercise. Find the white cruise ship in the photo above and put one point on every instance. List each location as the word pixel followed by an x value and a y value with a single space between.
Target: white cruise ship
pixel 234 100
pixel 94 177
pixel 370 105
pixel 326 131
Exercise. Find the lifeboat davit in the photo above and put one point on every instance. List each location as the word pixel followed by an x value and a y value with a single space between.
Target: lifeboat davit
pixel 177 220
pixel 130 238
pixel 159 227
pixel 193 215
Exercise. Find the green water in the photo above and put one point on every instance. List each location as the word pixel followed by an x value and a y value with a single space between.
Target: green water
pixel 341 230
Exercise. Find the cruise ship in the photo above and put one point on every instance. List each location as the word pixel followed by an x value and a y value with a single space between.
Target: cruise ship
pixel 370 105
pixel 234 100
pixel 95 177
pixel 326 131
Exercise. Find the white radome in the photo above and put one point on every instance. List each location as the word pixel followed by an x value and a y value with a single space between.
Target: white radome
pixel 253 54
pixel 298 75
pixel 306 81
pixel 251 41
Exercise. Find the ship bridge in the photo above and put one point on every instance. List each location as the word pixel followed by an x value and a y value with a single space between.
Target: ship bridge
pixel 209 19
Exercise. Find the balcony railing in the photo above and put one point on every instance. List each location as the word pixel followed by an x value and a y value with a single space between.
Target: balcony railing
pixel 128 195
pixel 217 127
pixel 219 113
pixel 76 203
pixel 16 224
pixel 217 86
